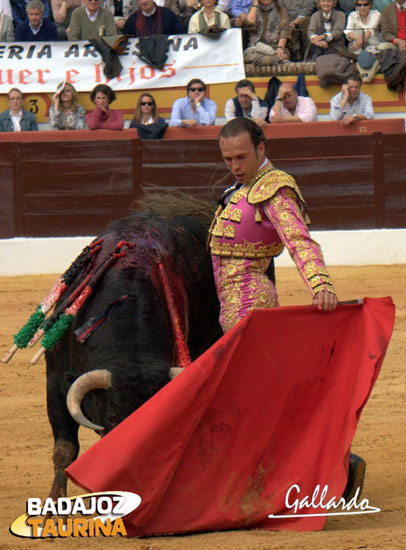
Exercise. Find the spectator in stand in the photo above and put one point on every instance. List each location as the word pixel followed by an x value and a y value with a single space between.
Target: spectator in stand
pixel 326 30
pixel 102 117
pixel 16 119
pixel 152 19
pixel 183 9
pixel 91 21
pixel 35 28
pixel 208 16
pixel 289 107
pixel 19 11
pixel 147 120
pixel 246 104
pixel 393 25
pixel 62 11
pixel 362 32
pixel 362 28
pixel 66 113
pixel 270 33
pixel 351 104
pixel 299 12
pixel 194 109
pixel 6 22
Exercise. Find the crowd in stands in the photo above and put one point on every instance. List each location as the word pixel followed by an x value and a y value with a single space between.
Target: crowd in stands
pixel 273 30
pixel 192 110
pixel 366 32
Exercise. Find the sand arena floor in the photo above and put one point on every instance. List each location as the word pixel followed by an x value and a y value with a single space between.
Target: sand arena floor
pixel 26 440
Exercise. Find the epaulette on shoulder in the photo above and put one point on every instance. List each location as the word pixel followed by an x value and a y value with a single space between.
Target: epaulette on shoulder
pixel 266 187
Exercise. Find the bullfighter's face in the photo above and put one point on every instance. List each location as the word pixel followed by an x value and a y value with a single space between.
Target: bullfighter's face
pixel 242 158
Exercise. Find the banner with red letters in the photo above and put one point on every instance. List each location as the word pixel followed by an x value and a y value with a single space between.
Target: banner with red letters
pixel 39 66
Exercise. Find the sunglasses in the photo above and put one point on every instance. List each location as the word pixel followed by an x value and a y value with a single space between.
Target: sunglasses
pixel 146 103
pixel 196 89
pixel 360 5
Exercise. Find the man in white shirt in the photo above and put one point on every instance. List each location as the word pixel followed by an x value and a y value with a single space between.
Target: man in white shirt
pixel 246 104
pixel 289 107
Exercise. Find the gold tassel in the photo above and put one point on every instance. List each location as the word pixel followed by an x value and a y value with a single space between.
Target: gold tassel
pixel 258 217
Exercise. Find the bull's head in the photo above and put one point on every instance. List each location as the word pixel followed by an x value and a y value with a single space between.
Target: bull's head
pixel 93 380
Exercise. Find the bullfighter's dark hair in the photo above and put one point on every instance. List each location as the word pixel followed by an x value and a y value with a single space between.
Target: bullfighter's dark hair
pixel 103 89
pixel 238 126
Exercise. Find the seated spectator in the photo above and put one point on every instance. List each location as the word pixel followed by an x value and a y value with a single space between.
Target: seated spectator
pixel 351 104
pixel 194 109
pixel 289 107
pixel 62 11
pixel 362 28
pixel 66 113
pixel 6 22
pixel 152 19
pixel 393 25
pixel 208 16
pixel 299 12
pixel 147 120
pixel 102 117
pixel 35 28
pixel 16 119
pixel 19 11
pixel 363 34
pixel 326 30
pixel 91 21
pixel 183 9
pixel 246 104
pixel 268 39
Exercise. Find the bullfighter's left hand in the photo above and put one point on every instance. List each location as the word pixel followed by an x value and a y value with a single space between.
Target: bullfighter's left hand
pixel 326 301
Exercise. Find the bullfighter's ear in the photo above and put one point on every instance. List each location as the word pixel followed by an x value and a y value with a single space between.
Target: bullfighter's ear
pixel 174 371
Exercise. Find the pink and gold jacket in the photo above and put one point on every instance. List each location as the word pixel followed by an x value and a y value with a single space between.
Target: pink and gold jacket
pixel 263 217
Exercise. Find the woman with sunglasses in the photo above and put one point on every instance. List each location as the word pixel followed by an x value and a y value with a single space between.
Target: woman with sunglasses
pixel 194 109
pixel 146 119
pixel 362 27
pixel 66 113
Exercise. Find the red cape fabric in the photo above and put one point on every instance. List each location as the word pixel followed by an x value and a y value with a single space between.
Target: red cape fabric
pixel 273 403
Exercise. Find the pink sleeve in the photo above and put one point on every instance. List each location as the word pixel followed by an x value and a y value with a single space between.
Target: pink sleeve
pixel 284 212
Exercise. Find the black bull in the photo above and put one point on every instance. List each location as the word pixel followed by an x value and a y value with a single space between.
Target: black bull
pixel 133 349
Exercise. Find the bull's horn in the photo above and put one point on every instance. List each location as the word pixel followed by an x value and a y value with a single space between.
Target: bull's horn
pixel 174 371
pixel 92 380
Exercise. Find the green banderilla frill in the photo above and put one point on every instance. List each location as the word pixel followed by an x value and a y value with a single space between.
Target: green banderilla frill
pixel 53 334
pixel 23 337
